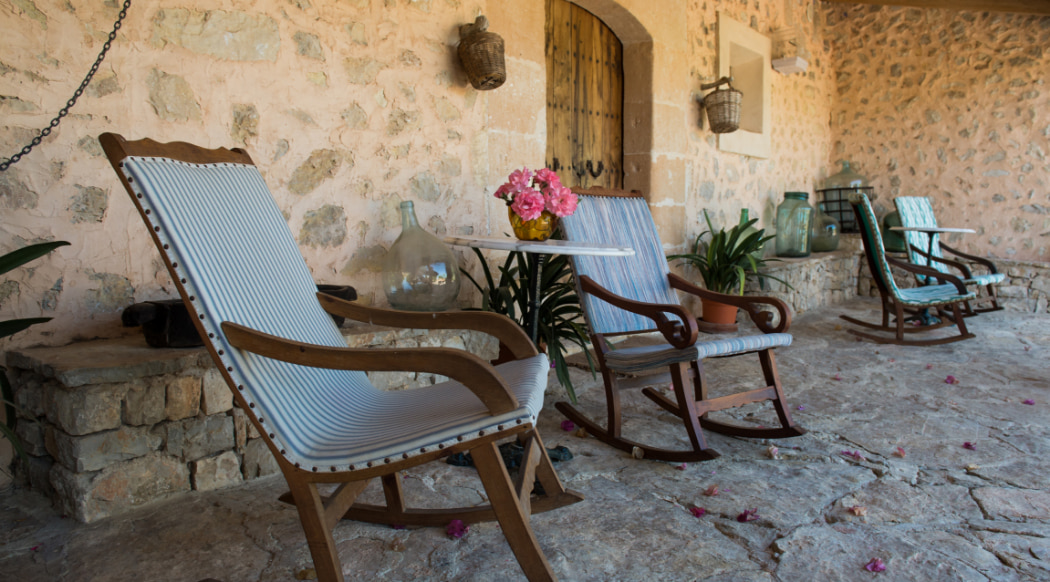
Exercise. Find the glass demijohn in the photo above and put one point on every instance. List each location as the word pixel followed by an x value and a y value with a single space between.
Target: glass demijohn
pixel 793 220
pixel 420 273
pixel 825 235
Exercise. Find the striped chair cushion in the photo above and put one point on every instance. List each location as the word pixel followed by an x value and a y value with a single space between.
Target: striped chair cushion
pixel 917 211
pixel 986 279
pixel 642 277
pixel 231 246
pixel 637 359
pixel 933 295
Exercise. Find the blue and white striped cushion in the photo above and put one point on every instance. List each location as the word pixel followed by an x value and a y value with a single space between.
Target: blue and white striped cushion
pixel 986 279
pixel 221 227
pixel 642 277
pixel 916 211
pixel 637 359
pixel 933 295
pixel 869 229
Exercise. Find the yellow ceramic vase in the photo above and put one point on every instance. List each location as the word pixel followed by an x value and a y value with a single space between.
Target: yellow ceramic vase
pixel 536 229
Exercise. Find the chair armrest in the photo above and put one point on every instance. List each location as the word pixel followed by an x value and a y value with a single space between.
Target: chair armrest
pixel 979 260
pixel 752 305
pixel 680 334
pixel 494 324
pixel 962 268
pixel 934 273
pixel 473 372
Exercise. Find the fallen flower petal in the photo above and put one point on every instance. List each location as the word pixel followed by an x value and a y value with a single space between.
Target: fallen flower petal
pixel 697 511
pixel 581 432
pixel 801 407
pixel 929 366
pixel 858 510
pixel 773 452
pixel 457 529
pixel 34 548
pixel 711 491
pixel 836 377
pixel 748 515
pixel 891 360
pixel 855 455
pixel 972 467
pixel 951 380
pixel 875 565
pixel 969 445
pixel 900 452
pixel 1028 401
pixel 567 425
pixel 681 467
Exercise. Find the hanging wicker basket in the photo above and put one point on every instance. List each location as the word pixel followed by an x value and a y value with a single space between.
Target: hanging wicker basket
pixel 481 53
pixel 723 109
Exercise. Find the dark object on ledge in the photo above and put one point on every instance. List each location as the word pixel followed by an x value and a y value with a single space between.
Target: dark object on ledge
pixel 167 324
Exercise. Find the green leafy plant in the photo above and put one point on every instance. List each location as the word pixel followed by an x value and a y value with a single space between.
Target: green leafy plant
pixel 560 318
pixel 8 262
pixel 727 260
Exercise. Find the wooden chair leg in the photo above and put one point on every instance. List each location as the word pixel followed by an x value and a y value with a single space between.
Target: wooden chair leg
pixel 508 510
pixel 318 535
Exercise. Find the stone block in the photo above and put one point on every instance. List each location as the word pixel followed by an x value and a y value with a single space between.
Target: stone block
pixel 258 460
pixel 1013 504
pixel 119 487
pixel 97 450
pixel 215 394
pixel 32 436
pixel 205 436
pixel 85 409
pixel 216 472
pixel 183 398
pixel 240 428
pixel 144 404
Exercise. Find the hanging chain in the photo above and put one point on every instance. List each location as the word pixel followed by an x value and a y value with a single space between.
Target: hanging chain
pixel 76 95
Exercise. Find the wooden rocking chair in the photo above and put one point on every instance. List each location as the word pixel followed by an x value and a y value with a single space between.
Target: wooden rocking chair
pixel 637 294
pixel 907 305
pixel 239 271
pixel 925 250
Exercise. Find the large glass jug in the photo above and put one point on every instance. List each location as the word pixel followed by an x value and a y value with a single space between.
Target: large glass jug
pixel 420 273
pixel 825 231
pixel 793 225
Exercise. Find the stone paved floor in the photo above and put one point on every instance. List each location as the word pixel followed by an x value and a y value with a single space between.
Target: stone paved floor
pixel 939 512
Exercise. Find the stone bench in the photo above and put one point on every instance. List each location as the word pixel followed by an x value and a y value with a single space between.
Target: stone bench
pixel 121 424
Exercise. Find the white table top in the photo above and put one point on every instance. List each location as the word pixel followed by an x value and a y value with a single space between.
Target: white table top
pixel 547 247
pixel 932 229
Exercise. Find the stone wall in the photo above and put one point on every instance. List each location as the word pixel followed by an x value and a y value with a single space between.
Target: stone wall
pixel 120 424
pixel 953 105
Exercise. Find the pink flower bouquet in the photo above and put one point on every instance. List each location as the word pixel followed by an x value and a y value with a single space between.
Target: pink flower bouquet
pixel 529 193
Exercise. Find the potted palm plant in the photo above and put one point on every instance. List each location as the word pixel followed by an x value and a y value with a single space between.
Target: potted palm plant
pixel 725 261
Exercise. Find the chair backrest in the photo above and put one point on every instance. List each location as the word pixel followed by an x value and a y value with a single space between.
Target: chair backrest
pixel 868 224
pixel 623 219
pixel 916 211
pixel 229 250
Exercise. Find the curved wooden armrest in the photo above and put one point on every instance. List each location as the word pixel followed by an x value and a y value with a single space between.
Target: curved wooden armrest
pixel 680 334
pixel 979 260
pixel 470 370
pixel 494 324
pixel 751 304
pixel 929 272
pixel 962 268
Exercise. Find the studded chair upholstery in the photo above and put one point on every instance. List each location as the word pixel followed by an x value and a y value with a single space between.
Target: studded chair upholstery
pixel 240 273
pixel 916 211
pixel 949 293
pixel 638 294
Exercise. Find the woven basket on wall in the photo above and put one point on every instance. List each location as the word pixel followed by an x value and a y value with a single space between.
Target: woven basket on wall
pixel 482 55
pixel 723 109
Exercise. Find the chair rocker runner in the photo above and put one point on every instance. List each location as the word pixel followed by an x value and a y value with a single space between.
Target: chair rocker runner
pixel 238 269
pixel 949 294
pixel 925 250
pixel 637 294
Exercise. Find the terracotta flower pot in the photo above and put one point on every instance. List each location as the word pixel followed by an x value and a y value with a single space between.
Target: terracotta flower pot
pixel 718 313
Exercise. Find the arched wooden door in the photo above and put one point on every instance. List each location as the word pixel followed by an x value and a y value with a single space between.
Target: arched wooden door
pixel 584 98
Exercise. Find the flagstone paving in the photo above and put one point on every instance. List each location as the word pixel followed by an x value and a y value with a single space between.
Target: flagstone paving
pixel 908 492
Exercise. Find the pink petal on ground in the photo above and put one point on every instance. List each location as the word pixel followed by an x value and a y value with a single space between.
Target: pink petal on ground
pixel 836 377
pixel 748 515
pixel 567 425
pixel 801 407
pixel 969 445
pixel 855 455
pixel 858 510
pixel 951 380
pixel 681 467
pixel 711 491
pixel 1028 401
pixel 697 511
pixel 929 366
pixel 457 529
pixel 875 565
pixel 900 452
